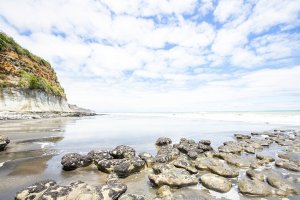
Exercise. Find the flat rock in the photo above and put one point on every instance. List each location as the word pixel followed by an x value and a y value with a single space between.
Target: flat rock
pixel 216 183
pixel 242 136
pixel 254 187
pixel 173 177
pixel 289 165
pixel 185 164
pixel 254 174
pixel 231 147
pixel 291 156
pixel 265 158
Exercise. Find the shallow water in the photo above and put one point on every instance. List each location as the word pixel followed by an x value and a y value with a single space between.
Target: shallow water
pixel 37 146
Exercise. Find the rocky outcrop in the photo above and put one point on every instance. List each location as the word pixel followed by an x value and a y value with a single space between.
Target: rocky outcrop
pixel 22 100
pixel 28 83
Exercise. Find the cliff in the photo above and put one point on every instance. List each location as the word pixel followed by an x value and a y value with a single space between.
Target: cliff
pixel 28 82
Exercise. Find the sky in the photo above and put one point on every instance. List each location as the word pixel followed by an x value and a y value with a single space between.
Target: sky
pixel 165 55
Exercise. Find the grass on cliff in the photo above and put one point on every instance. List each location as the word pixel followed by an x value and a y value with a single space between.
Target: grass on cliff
pixel 8 44
pixel 30 81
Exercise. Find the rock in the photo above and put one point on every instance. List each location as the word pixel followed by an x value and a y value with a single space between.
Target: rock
pixel 203 162
pixel 192 154
pixel 173 177
pixel 249 149
pixel 289 165
pixel 166 154
pixel 254 187
pixel 231 147
pixel 186 145
pixel 160 168
pixel 234 159
pixel 265 158
pixel 73 161
pixel 122 151
pixel 191 194
pixel 122 167
pixel 216 166
pixel 163 141
pixel 291 156
pixel 164 192
pixel 132 197
pixel 78 190
pixel 254 174
pixel 204 147
pixel 148 158
pixel 215 182
pixel 185 164
pixel 35 191
pixel 205 142
pixel 3 142
pixel 100 155
pixel 242 136
pixel 224 170
pixel 287 189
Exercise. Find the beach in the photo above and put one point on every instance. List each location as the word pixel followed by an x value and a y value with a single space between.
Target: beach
pixel 38 145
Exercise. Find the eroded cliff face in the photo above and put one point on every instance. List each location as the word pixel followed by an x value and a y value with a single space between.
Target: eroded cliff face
pixel 24 100
pixel 28 82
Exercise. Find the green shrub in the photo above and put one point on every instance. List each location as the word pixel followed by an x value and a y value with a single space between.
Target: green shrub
pixel 8 44
pixel 30 81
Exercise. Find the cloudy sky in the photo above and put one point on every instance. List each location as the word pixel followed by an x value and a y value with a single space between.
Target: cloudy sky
pixel 165 55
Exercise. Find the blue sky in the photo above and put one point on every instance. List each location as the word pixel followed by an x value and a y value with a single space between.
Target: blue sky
pixel 165 55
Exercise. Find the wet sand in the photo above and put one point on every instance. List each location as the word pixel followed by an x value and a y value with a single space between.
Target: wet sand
pixel 37 146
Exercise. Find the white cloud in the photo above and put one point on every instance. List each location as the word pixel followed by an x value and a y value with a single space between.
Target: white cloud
pixel 228 9
pixel 140 55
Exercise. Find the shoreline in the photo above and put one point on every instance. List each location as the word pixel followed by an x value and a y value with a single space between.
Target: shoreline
pixel 12 115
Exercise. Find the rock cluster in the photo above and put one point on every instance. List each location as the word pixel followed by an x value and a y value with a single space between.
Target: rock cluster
pixel 49 189
pixel 4 141
pixel 190 163
pixel 121 161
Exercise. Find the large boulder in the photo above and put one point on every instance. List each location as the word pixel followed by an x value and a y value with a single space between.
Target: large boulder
pixel 122 167
pixel 73 161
